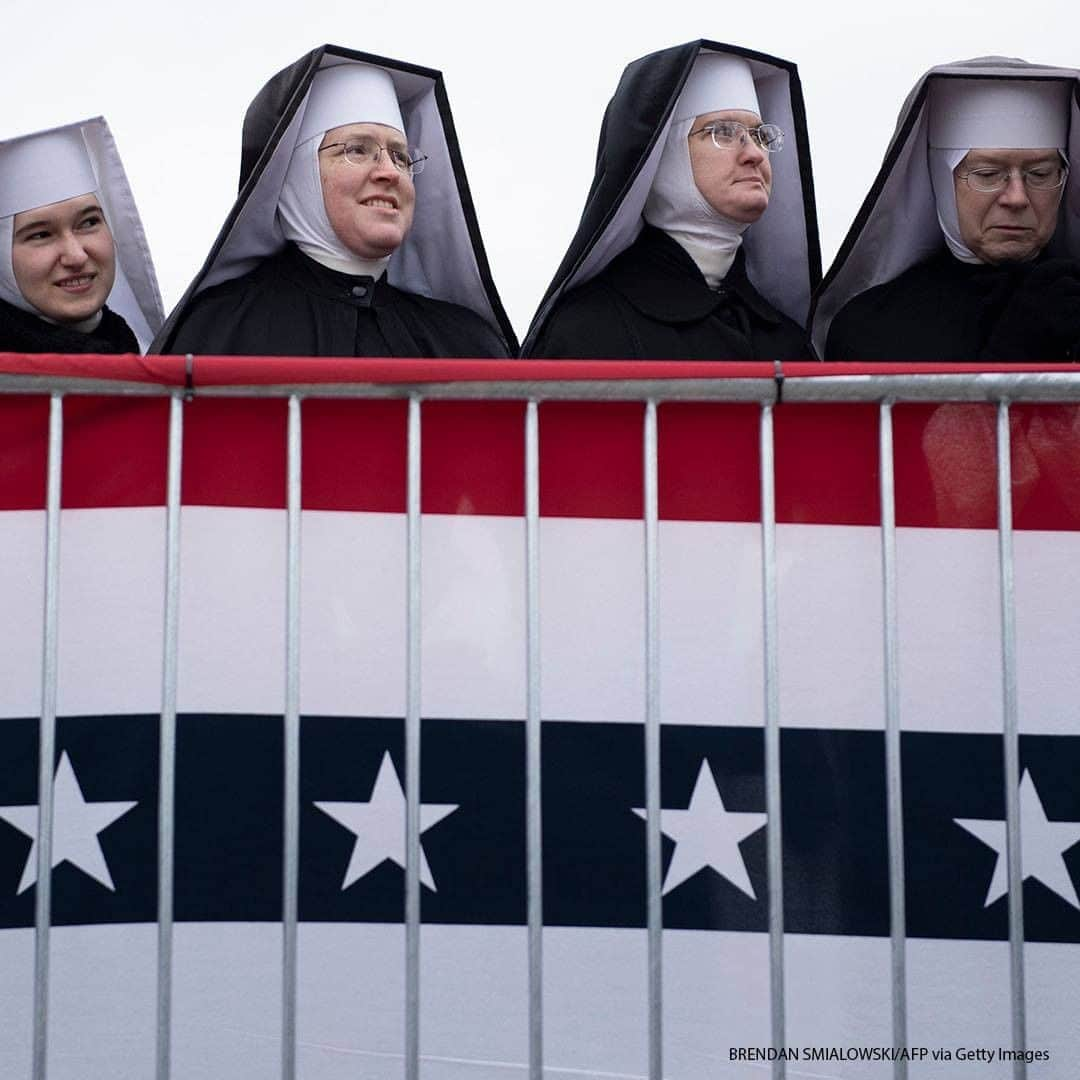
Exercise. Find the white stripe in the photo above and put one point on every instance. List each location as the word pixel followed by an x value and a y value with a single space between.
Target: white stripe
pixel 16 1002
pixel 943 1014
pixel 351 1007
pixel 232 619
pixel 838 995
pixel 716 995
pixel 22 586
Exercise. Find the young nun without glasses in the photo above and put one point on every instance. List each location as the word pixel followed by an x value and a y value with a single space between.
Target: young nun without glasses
pixel 699 237
pixel 347 238
pixel 70 240
pixel 968 245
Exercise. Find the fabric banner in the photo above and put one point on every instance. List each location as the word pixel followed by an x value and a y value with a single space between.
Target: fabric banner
pixel 474 1002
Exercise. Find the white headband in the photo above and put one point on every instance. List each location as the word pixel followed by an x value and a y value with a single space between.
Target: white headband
pixel 351 93
pixel 717 81
pixel 1014 114
pixel 42 169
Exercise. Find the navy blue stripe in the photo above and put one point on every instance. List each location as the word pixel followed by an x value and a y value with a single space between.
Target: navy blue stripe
pixel 229 824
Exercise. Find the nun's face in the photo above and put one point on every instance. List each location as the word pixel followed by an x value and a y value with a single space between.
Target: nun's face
pixel 63 258
pixel 735 182
pixel 1015 223
pixel 370 207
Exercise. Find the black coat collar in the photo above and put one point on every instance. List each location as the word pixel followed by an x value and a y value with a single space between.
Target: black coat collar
pixel 20 331
pixel 358 290
pixel 663 282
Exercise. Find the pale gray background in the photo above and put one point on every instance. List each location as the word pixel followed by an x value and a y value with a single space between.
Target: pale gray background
pixel 527 84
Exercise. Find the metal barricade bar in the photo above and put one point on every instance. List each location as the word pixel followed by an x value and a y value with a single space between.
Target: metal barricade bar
pixel 1011 739
pixel 412 747
pixel 893 775
pixel 1034 386
pixel 291 860
pixel 167 740
pixel 774 836
pixel 533 736
pixel 653 851
pixel 47 737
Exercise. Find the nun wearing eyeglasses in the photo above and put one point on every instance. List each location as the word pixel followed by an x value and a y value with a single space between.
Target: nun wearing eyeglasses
pixel 75 269
pixel 967 248
pixel 353 233
pixel 699 237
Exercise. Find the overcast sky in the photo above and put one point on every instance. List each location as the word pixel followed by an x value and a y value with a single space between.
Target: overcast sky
pixel 527 86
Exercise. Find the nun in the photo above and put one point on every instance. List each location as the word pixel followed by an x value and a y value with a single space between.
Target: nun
pixel 75 269
pixel 699 236
pixel 967 248
pixel 353 233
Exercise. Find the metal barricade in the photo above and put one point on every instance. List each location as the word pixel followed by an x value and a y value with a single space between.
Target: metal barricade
pixel 884 389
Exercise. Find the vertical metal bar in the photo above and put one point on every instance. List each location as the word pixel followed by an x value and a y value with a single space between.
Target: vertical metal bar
pixel 47 737
pixel 412 750
pixel 534 826
pixel 893 775
pixel 774 838
pixel 167 739
pixel 291 860
pixel 654 882
pixel 1011 739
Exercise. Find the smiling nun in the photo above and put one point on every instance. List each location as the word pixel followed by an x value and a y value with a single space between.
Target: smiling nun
pixel 967 247
pixel 75 269
pixel 699 236
pixel 353 233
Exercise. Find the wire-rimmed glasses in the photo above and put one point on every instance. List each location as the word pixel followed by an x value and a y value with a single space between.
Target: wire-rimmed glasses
pixel 1044 177
pixel 728 134
pixel 365 150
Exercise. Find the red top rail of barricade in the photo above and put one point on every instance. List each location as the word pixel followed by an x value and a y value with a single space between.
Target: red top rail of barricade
pixel 763 380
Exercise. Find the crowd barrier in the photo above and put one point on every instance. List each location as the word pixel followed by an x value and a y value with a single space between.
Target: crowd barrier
pixel 484 719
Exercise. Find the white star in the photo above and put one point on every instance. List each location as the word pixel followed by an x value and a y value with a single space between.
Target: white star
pixel 76 824
pixel 707 834
pixel 379 825
pixel 1043 842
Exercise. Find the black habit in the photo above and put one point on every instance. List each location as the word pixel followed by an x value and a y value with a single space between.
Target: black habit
pixel 291 306
pixel 895 293
pixel 257 294
pixel 652 302
pixel 22 332
pixel 949 311
pixel 624 291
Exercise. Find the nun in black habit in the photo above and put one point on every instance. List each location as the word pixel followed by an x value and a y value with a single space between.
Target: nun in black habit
pixel 967 248
pixel 699 236
pixel 70 240
pixel 346 239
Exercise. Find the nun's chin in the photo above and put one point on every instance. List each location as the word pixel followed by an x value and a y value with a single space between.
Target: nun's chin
pixel 371 240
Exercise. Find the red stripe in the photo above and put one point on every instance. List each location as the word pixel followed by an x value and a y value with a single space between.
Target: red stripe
pixel 115 451
pixel 590 459
pixel 24 443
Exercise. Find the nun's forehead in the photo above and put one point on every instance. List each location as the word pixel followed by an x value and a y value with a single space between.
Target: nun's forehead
pixel 76 205
pixel 365 127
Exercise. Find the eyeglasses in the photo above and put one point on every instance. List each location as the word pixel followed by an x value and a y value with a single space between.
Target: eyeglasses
pixel 1037 178
pixel 728 134
pixel 365 151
